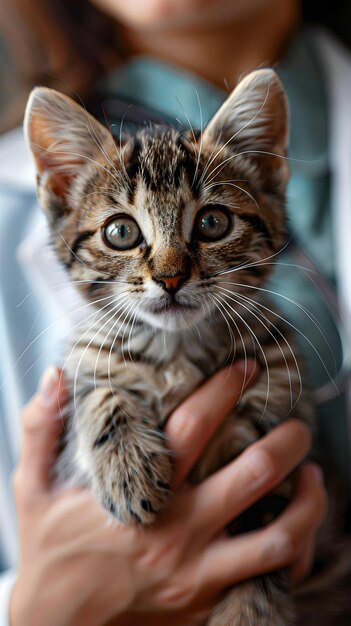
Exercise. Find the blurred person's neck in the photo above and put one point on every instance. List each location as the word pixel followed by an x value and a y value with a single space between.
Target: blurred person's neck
pixel 221 52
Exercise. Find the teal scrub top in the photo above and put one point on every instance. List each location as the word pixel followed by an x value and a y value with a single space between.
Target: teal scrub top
pixel 187 100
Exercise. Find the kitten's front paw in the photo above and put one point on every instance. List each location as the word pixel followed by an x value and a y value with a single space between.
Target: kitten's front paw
pixel 132 473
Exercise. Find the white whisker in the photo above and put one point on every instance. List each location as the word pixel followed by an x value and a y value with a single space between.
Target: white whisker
pixel 236 326
pixel 310 317
pixel 111 314
pixel 247 308
pixel 260 347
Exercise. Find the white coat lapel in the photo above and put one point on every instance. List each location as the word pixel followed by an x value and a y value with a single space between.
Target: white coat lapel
pixel 337 63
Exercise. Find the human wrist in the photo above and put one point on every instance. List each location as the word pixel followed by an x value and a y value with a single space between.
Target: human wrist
pixel 28 608
pixel 16 606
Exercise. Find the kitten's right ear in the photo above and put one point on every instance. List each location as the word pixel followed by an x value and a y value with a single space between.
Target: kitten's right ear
pixel 254 123
pixel 63 138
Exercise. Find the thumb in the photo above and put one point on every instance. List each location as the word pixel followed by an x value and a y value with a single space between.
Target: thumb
pixel 42 425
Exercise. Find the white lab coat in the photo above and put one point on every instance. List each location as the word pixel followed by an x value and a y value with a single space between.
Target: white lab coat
pixel 15 158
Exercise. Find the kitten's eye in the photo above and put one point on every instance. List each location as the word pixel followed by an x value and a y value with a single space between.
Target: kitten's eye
pixel 212 223
pixel 122 233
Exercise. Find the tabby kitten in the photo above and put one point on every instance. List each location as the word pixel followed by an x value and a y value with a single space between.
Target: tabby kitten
pixel 170 236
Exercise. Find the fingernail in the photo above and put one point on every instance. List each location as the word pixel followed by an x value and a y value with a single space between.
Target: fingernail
pixel 246 366
pixel 317 472
pixel 48 385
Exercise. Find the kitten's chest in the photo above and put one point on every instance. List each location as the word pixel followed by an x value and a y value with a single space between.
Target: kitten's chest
pixel 183 363
pixel 176 382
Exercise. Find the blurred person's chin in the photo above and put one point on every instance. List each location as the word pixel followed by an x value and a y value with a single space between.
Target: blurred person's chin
pixel 172 13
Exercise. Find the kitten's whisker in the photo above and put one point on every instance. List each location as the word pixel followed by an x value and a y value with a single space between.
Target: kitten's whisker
pixel 52 150
pixel 101 192
pixel 256 306
pixel 196 325
pixel 261 350
pixel 308 313
pixel 124 310
pixel 222 302
pixel 131 331
pixel 247 308
pixel 219 137
pixel 72 282
pixel 295 265
pixel 79 259
pixel 97 315
pixel 248 194
pixel 51 325
pixel 221 165
pixel 112 347
pixel 164 340
pixel 189 123
pixel 41 355
pixel 311 318
pixel 216 171
pixel 89 125
pixel 106 337
pixel 253 264
pixel 233 349
pixel 121 150
pixel 100 146
pixel 111 314
pixel 201 139
pixel 218 183
pixel 114 297
pixel 230 332
pixel 275 154
pixel 126 329
pixel 118 153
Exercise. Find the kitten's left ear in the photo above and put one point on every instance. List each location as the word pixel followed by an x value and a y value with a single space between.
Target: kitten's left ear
pixel 63 138
pixel 254 121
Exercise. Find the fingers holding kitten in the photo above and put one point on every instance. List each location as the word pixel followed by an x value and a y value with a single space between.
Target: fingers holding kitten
pixel 192 424
pixel 280 544
pixel 42 424
pixel 233 489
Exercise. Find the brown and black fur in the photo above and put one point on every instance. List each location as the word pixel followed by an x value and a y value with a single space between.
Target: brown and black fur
pixel 129 366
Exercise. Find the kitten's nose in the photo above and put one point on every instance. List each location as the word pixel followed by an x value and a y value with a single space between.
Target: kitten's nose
pixel 170 283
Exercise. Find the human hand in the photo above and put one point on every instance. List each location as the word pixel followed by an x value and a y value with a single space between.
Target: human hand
pixel 76 568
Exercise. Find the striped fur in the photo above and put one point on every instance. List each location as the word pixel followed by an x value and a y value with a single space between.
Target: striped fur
pixel 134 359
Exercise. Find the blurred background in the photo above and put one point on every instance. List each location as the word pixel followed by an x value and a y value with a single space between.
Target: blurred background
pixel 34 50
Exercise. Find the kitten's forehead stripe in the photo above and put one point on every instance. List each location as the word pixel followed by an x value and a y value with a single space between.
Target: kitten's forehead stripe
pixel 161 159
pixel 132 169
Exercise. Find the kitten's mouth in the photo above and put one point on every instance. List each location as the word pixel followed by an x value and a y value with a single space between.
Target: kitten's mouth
pixel 172 308
pixel 171 314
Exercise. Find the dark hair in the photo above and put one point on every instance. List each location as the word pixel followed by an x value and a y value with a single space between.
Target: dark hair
pixel 72 40
pixel 64 44
pixel 335 16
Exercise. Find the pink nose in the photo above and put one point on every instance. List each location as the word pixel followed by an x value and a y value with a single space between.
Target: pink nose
pixel 171 283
